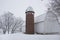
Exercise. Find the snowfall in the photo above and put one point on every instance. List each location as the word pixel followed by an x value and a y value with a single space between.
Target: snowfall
pixel 21 36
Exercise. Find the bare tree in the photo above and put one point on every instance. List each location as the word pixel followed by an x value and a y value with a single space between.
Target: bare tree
pixel 9 23
pixel 18 22
pixel 55 6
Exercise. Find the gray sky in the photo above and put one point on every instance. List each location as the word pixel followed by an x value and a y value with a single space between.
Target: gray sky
pixel 18 7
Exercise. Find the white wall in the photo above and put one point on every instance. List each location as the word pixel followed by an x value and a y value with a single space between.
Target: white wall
pixel 49 25
pixel 39 27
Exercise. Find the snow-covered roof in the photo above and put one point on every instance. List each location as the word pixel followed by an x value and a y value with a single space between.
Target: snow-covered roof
pixel 29 9
pixel 43 17
pixel 39 18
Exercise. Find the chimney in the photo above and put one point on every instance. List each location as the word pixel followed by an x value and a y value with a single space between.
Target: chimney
pixel 29 20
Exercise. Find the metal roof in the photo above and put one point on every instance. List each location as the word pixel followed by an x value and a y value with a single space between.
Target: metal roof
pixel 29 9
pixel 39 18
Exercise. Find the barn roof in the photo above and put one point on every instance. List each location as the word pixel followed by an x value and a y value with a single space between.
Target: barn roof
pixel 40 18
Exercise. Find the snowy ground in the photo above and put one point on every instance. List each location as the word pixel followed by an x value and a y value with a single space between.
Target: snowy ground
pixel 20 36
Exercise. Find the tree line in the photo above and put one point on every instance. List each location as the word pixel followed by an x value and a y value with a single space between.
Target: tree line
pixel 10 24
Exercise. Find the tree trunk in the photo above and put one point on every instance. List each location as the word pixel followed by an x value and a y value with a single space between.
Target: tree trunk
pixel 4 31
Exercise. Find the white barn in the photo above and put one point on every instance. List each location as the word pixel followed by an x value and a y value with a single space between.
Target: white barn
pixel 47 23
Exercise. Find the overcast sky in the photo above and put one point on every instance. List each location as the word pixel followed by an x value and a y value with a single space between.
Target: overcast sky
pixel 18 7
